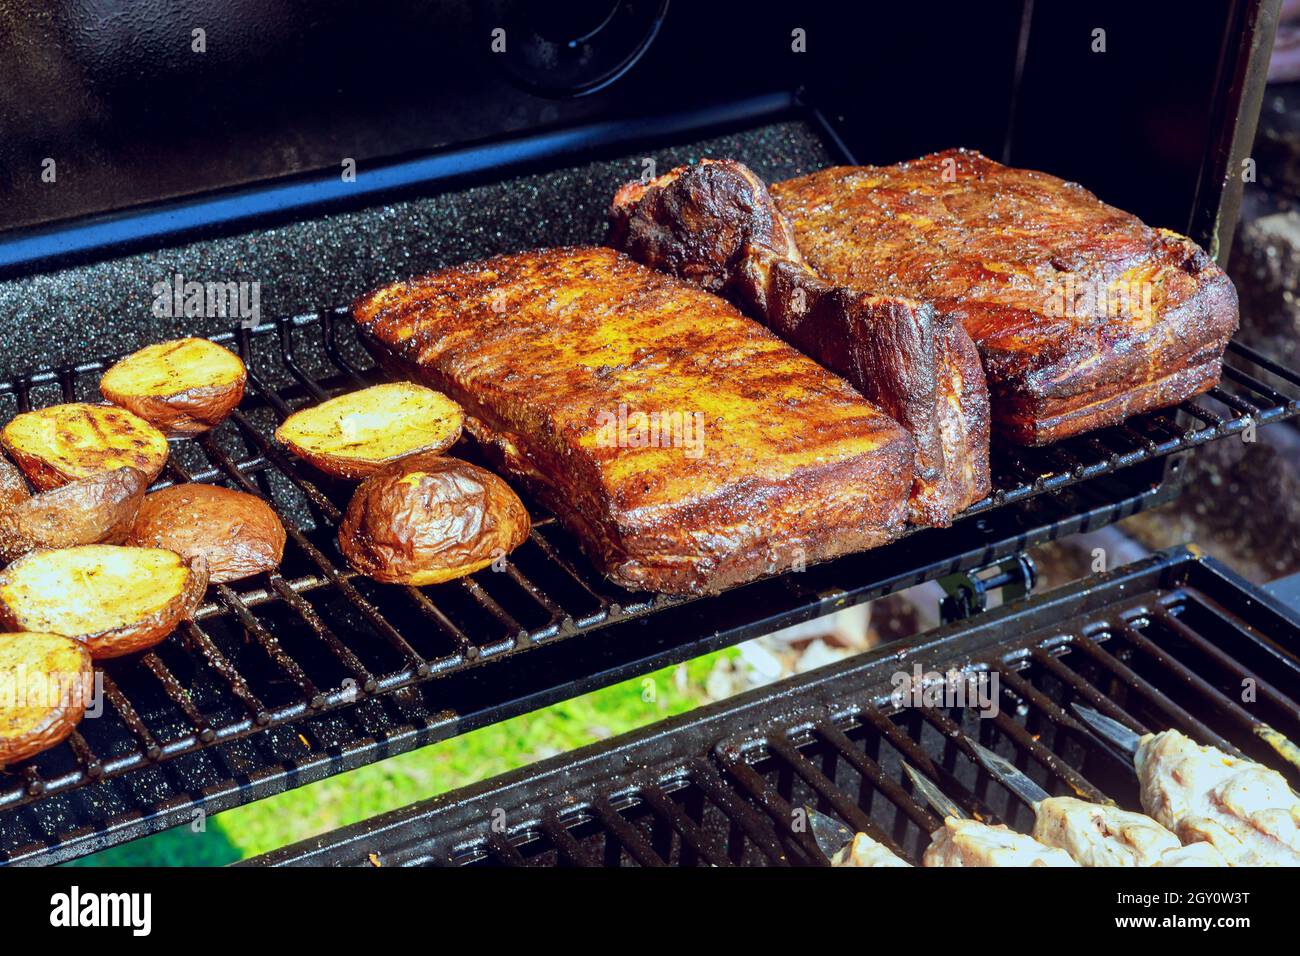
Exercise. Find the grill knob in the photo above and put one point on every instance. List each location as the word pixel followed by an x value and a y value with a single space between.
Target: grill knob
pixel 569 49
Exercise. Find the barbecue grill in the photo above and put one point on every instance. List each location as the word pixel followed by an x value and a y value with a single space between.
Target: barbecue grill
pixel 290 677
pixel 1163 643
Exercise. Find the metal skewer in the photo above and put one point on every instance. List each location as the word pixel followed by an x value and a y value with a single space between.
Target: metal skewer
pixel 934 796
pixel 1111 731
pixel 831 835
pixel 1011 777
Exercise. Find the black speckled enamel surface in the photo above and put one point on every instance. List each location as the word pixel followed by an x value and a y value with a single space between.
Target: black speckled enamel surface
pixel 105 308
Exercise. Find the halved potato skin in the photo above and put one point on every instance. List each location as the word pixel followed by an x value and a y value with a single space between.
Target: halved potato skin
pixel 94 510
pixel 237 533
pixel 431 519
pixel 184 386
pixel 43 590
pixel 357 434
pixel 62 443
pixel 13 486
pixel 49 683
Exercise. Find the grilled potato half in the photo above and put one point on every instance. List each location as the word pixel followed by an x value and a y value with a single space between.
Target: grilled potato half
pixel 114 599
pixel 61 443
pixel 429 520
pixel 184 387
pixel 355 435
pixel 46 684
pixel 91 510
pixel 237 533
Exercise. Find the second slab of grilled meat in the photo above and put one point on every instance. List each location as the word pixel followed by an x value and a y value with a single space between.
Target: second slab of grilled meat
pixel 715 224
pixel 686 446
pixel 1247 811
pixel 1083 314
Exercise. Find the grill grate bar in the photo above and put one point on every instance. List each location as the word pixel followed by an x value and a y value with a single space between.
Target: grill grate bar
pixel 194 635
pixel 698 841
pixel 1221 704
pixel 1095 698
pixel 827 792
pixel 1127 676
pixel 628 836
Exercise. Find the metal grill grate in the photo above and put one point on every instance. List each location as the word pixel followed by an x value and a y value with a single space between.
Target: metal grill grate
pixel 1164 643
pixel 306 648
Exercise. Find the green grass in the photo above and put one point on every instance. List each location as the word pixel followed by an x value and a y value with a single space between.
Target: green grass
pixel 354 796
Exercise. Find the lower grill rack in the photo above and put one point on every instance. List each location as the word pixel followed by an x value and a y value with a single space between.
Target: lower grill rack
pixel 311 670
pixel 1164 643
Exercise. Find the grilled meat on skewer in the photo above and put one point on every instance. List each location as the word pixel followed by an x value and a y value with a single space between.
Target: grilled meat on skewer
pixel 971 843
pixel 964 842
pixel 1243 808
pixel 864 851
pixel 1095 834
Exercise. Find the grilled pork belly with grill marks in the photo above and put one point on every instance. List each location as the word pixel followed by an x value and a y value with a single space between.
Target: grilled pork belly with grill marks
pixel 573 365
pixel 1244 809
pixel 1083 315
pixel 1097 835
pixel 971 843
pixel 715 224
pixel 864 851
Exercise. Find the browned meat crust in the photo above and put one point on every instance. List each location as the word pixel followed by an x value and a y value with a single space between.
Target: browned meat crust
pixel 716 225
pixel 561 358
pixel 1082 314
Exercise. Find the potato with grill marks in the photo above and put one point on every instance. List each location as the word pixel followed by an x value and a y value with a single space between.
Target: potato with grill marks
pixel 357 434
pixel 184 387
pixel 62 443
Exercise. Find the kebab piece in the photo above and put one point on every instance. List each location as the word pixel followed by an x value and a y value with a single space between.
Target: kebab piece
pixel 965 842
pixel 843 847
pixel 1092 833
pixel 715 225
pixel 1247 811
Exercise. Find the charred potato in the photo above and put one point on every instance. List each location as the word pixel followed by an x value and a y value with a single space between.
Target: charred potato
pixel 355 435
pixel 114 599
pixel 46 683
pixel 59 444
pixel 237 533
pixel 98 509
pixel 184 386
pixel 430 520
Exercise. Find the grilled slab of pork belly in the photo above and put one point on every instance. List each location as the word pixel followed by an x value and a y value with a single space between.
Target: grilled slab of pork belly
pixel 716 225
pixel 1243 808
pixel 571 365
pixel 1082 314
